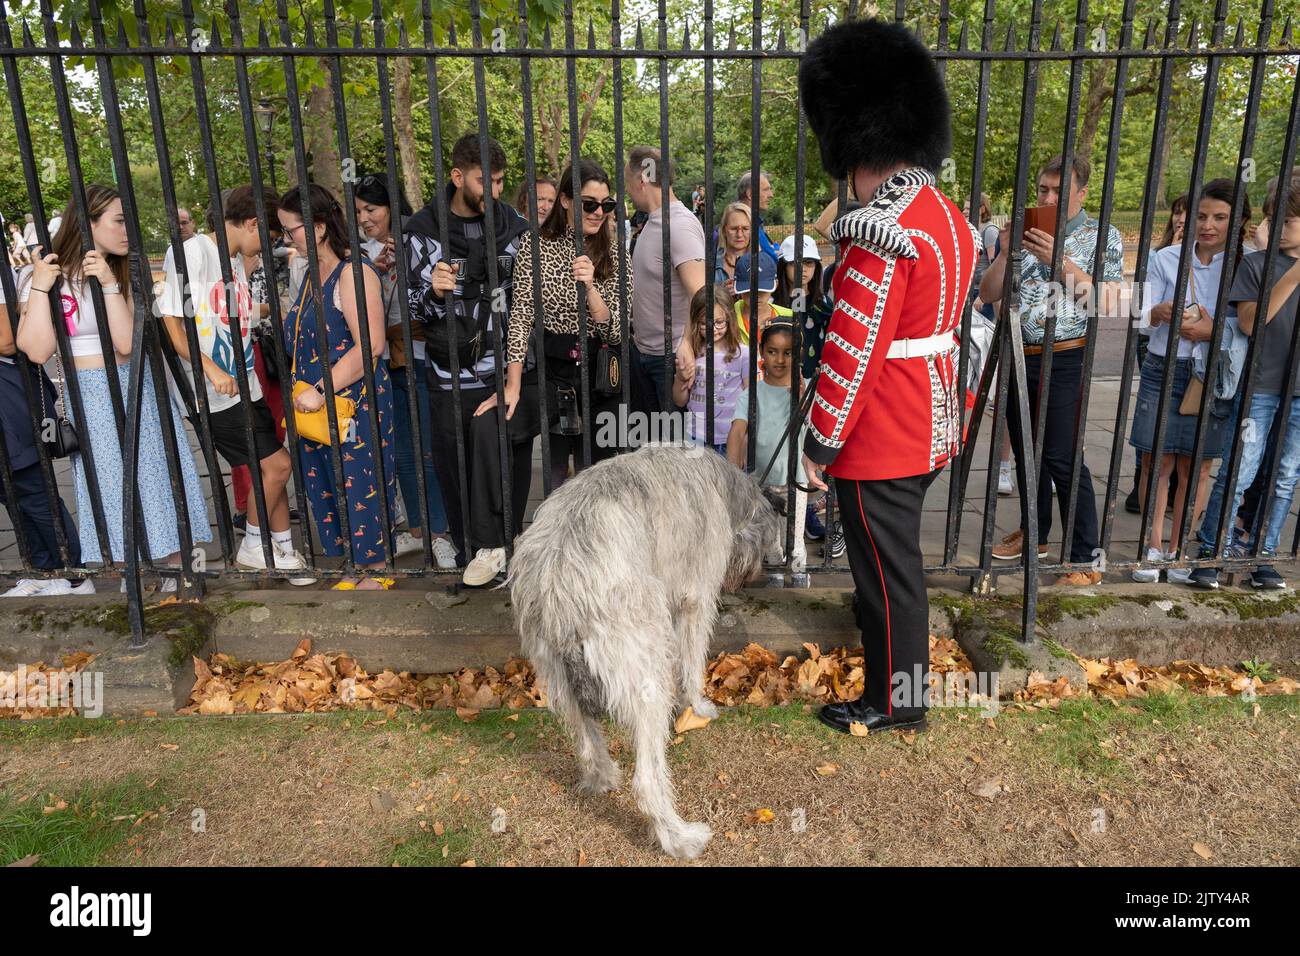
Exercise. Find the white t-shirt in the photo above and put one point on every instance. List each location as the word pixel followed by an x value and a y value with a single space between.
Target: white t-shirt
pixel 78 314
pixel 203 261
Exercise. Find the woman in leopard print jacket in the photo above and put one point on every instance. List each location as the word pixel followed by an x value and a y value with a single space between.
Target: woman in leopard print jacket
pixel 558 279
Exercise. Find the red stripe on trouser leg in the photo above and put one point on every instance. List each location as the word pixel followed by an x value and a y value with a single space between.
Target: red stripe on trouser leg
pixel 880 571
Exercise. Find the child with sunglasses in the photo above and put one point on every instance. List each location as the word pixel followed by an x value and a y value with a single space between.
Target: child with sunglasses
pixel 771 419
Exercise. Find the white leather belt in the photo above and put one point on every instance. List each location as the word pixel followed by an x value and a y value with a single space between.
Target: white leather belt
pixel 918 348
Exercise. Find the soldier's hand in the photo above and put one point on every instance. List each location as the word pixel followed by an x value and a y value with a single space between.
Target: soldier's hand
pixel 815 473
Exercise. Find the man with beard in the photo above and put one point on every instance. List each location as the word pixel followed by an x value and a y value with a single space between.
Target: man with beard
pixel 887 415
pixel 452 286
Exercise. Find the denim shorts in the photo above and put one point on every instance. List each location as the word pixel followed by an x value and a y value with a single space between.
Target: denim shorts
pixel 1180 432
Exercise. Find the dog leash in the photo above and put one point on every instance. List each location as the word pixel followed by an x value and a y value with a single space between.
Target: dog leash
pixel 796 422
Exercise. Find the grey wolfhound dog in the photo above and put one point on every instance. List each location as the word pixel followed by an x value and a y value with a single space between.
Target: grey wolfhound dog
pixel 615 588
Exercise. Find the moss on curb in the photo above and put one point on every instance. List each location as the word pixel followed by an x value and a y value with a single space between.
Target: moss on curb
pixel 1004 645
pixel 1057 650
pixel 1248 607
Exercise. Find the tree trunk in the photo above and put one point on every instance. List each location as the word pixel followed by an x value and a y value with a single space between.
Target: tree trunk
pixel 322 139
pixel 1096 97
pixel 412 181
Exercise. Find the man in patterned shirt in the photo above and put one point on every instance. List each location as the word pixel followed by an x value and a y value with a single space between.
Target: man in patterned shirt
pixel 1076 303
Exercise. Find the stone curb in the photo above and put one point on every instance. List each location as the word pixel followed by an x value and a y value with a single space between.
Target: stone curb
pixel 438 631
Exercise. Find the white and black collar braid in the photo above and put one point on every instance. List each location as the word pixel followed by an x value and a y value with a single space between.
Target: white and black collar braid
pixel 876 223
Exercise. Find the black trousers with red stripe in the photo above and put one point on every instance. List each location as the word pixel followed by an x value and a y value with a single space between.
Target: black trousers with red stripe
pixel 882 529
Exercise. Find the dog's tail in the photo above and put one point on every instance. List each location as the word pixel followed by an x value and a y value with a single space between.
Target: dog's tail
pixel 586 689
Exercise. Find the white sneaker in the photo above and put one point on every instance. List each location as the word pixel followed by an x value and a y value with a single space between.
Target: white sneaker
pixel 487 564
pixel 406 543
pixel 444 552
pixel 87 586
pixel 31 587
pixel 1149 575
pixel 287 558
pixel 1005 487
pixel 1177 575
pixel 250 554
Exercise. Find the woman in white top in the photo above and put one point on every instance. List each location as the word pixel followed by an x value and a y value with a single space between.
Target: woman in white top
pixel 68 268
pixel 1204 274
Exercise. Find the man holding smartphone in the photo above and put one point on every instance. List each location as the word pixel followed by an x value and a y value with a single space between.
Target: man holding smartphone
pixel 1071 296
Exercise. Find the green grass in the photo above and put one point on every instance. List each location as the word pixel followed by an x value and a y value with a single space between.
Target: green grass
pixel 1072 734
pixel 461 841
pixel 84 833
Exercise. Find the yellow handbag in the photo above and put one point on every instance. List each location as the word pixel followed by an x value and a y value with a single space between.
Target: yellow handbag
pixel 315 426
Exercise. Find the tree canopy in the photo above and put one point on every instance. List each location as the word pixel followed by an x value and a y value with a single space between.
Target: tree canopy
pixel 638 81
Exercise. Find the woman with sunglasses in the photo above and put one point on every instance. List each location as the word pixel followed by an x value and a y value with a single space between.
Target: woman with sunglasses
pixel 560 272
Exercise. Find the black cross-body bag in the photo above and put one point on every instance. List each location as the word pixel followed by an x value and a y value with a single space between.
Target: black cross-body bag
pixel 61 441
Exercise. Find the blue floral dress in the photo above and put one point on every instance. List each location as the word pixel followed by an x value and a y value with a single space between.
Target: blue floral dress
pixel 360 475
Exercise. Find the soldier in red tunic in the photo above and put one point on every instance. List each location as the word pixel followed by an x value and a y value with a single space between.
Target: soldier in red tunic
pixel 887 413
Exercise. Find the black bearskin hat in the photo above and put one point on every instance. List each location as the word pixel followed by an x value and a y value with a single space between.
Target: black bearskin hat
pixel 874 97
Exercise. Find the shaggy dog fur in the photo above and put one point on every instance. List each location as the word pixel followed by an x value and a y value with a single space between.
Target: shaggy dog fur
pixel 615 588
pixel 874 98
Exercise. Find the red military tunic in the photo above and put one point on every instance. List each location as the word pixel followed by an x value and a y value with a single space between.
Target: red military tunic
pixel 906 263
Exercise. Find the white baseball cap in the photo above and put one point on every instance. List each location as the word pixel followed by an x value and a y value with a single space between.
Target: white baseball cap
pixel 809 248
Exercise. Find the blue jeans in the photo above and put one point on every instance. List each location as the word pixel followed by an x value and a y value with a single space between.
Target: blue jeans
pixel 655 389
pixel 1259 424
pixel 405 451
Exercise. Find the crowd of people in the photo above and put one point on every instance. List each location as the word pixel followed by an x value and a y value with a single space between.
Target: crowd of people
pixel 736 372
pixel 1078 303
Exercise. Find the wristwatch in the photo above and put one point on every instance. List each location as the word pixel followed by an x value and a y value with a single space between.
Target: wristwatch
pixel 113 289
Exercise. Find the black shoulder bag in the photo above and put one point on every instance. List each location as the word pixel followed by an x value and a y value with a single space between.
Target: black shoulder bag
pixel 61 441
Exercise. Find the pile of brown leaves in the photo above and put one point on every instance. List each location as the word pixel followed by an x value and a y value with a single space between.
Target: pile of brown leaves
pixel 754 677
pixel 316 682
pixel 24 693
pixel 1127 678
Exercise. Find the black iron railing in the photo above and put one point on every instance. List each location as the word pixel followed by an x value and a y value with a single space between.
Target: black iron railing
pixel 192 36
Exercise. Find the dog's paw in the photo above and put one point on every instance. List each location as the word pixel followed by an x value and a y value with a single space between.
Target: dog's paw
pixel 601 780
pixel 705 708
pixel 686 841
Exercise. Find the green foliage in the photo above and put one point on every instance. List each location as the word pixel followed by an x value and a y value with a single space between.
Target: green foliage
pixel 1259 670
pixel 724 144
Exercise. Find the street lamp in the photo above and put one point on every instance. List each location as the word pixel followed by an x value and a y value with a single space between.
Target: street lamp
pixel 265 121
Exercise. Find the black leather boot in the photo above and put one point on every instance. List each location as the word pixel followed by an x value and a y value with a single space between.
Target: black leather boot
pixel 840 716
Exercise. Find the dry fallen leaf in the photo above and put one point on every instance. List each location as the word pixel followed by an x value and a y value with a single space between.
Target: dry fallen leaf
pixel 29 860
pixel 763 815
pixel 170 746
pixel 827 769
pixel 689 720
pixel 1203 851
pixel 858 729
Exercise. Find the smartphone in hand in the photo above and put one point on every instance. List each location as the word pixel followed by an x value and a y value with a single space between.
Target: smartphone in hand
pixel 1041 217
